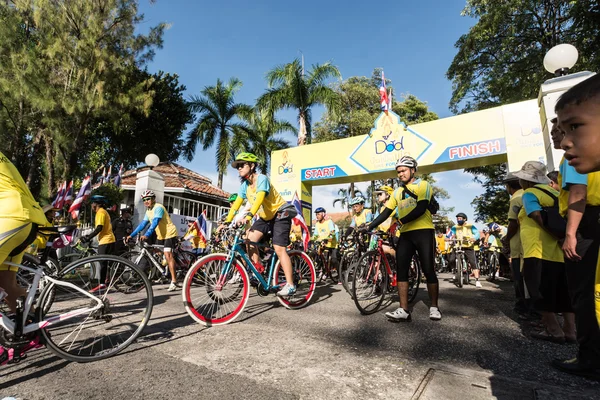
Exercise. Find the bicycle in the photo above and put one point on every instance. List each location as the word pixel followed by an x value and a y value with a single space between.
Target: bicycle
pixel 374 278
pixel 72 322
pixel 322 259
pixel 494 262
pixel 461 269
pixel 217 287
pixel 354 247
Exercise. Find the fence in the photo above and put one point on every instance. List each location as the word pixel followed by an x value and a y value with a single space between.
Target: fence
pixel 193 208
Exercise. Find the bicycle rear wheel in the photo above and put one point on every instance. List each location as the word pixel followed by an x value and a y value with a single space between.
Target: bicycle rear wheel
pixel 305 279
pixel 96 334
pixel 212 298
pixel 460 274
pixel 370 282
pixel 414 278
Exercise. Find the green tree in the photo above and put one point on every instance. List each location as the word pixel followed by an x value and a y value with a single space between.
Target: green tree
pixel 290 87
pixel 218 121
pixel 345 195
pixel 492 205
pixel 260 136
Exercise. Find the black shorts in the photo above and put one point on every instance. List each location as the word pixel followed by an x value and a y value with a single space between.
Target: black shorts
pixel 279 228
pixel 169 244
pixel 547 285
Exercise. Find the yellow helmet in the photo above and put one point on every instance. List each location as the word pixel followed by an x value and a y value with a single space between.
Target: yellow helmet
pixel 386 189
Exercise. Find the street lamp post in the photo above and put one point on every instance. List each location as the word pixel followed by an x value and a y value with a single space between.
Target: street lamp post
pixel 558 61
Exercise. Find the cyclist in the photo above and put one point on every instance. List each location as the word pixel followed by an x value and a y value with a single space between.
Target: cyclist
pixel 467 234
pixel 274 215
pixel 106 238
pixel 166 232
pixel 383 195
pixel 325 230
pixel 411 202
pixel 20 215
pixel 360 215
pixel 441 248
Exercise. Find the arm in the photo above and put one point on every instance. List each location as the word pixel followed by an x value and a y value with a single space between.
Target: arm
pixel 475 232
pixel 577 200
pixel 513 228
pixel 140 227
pixel 153 226
pixel 236 206
pixel 96 231
pixel 260 196
pixel 416 212
pixel 385 214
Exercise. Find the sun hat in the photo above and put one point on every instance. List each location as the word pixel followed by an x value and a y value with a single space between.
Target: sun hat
pixel 510 177
pixel 533 171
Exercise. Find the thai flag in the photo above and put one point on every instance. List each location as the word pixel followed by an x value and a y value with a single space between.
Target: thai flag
pixel 201 226
pixel 103 176
pixel 107 179
pixel 383 95
pixel 59 201
pixel 86 190
pixel 69 194
pixel 119 176
pixel 299 219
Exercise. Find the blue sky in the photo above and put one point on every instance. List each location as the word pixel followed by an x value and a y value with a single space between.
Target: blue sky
pixel 412 41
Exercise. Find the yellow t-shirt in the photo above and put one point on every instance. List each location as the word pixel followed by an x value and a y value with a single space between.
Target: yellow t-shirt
pixel 441 243
pixel 593 190
pixel 272 201
pixel 515 205
pixel 196 241
pixel 326 230
pixel 16 201
pixel 537 243
pixel 296 233
pixel 405 204
pixel 166 229
pixel 463 233
pixel 385 225
pixel 363 217
pixel 106 235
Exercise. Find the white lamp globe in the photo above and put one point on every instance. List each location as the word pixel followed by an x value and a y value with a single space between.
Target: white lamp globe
pixel 559 59
pixel 152 160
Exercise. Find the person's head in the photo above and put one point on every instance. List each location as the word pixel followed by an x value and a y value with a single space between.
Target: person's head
pixel 246 164
pixel 461 218
pixel 320 213
pixel 232 198
pixel 532 173
pixel 511 183
pixel 383 193
pixel 125 213
pixel 553 176
pixel 149 198
pixel 494 227
pixel 555 133
pixel 49 212
pixel 357 203
pixel 406 167
pixel 578 111
pixel 485 230
pixel 440 233
pixel 98 201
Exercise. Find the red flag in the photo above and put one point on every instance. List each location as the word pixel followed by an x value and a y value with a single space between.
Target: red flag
pixel 299 220
pixel 69 194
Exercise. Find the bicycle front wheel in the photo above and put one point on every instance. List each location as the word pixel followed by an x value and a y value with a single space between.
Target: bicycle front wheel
pixel 414 278
pixel 89 336
pixel 212 297
pixel 370 282
pixel 305 279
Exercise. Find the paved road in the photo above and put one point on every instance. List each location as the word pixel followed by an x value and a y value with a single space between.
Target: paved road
pixel 325 351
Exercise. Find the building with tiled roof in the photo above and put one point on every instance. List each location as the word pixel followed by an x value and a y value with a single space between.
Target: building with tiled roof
pixel 186 192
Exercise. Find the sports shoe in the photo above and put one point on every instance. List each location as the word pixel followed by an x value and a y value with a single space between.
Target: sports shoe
pixel 478 284
pixel 287 290
pixel 98 288
pixel 400 315
pixel 173 287
pixel 576 367
pixel 434 314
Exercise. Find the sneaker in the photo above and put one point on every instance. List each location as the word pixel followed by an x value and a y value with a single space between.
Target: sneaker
pixel 173 287
pixel 287 290
pixel 576 367
pixel 400 315
pixel 98 288
pixel 434 314
pixel 478 284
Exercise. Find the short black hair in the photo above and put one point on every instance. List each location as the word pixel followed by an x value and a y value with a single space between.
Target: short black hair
pixel 583 91
pixel 553 176
pixel 514 184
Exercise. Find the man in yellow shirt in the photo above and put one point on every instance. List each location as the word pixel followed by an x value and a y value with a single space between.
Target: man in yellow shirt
pixel 106 238
pixel 166 232
pixel 20 215
pixel 326 231
pixel 411 203
pixel 543 266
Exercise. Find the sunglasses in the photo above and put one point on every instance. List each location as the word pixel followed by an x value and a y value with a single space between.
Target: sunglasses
pixel 242 165
pixel 146 198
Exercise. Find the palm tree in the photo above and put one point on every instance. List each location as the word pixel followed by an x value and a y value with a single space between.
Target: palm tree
pixel 289 87
pixel 217 120
pixel 258 136
pixel 345 195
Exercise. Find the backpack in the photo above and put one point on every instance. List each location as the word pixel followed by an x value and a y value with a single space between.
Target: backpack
pixel 433 206
pixel 554 223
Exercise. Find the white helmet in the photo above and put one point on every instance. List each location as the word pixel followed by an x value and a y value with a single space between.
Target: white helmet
pixel 407 161
pixel 147 193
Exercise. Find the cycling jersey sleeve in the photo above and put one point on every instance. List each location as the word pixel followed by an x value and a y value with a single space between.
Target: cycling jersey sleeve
pixel 153 226
pixel 531 203
pixel 333 230
pixel 475 232
pixel 369 216
pixel 352 223
pixel 141 226
pixel 385 214
pixel 260 196
pixel 236 206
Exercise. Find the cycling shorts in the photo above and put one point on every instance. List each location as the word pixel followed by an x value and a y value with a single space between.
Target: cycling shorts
pixel 15 236
pixel 169 244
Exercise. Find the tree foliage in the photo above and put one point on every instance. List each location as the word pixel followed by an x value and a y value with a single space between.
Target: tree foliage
pixel 492 205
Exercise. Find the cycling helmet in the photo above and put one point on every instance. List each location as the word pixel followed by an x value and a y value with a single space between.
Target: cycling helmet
pixel 493 226
pixel 357 200
pixel 233 197
pixel 148 193
pixel 98 199
pixel 319 209
pixel 462 215
pixel 407 161
pixel 485 230
pixel 385 189
pixel 244 158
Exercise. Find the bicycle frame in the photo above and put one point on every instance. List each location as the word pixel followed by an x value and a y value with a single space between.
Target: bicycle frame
pixel 11 326
pixel 149 256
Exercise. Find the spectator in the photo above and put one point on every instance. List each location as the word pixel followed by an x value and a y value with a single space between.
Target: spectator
pixel 122 227
pixel 553 176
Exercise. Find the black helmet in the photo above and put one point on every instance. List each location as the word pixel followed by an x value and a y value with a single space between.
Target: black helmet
pixel 98 199
pixel 462 215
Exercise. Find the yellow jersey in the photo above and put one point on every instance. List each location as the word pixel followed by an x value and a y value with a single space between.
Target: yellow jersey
pixel 515 205
pixel 404 203
pixel 106 235
pixel 326 229
pixel 166 229
pixel 272 201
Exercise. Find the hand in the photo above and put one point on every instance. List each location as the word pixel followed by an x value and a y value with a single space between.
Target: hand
pixel 143 238
pixel 569 247
pixel 85 238
pixel 362 228
pixel 220 228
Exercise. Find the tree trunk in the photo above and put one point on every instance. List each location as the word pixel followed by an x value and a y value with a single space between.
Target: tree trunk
pixel 220 180
pixel 351 190
pixel 49 164
pixel 302 133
